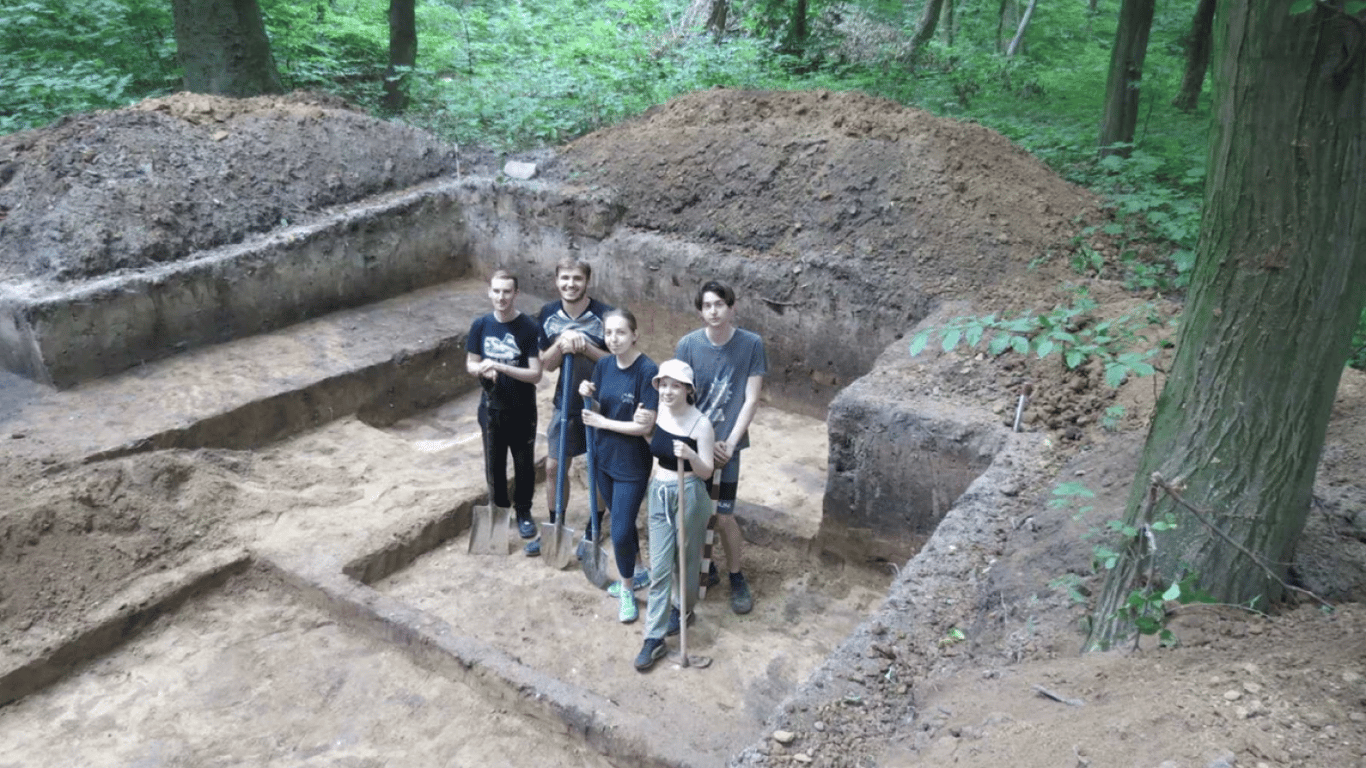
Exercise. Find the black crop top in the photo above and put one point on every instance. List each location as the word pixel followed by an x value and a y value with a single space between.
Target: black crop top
pixel 662 447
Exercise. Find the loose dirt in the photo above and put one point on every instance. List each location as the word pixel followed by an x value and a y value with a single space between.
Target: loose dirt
pixel 953 207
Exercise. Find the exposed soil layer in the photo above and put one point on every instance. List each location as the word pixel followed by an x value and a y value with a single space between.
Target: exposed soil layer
pixel 156 182
pixel 953 207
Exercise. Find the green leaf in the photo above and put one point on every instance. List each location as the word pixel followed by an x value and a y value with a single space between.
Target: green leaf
pixel 1020 344
pixel 918 343
pixel 1147 625
pixel 1173 592
pixel 1045 348
pixel 1073 357
pixel 1300 6
pixel 973 334
pixel 998 344
pixel 1073 489
pixel 1115 373
pixel 951 339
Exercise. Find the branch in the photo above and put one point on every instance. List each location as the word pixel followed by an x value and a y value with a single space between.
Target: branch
pixel 1203 517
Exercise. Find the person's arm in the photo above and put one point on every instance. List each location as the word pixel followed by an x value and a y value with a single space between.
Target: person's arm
pixel 700 459
pixel 724 448
pixel 474 365
pixel 633 428
pixel 531 374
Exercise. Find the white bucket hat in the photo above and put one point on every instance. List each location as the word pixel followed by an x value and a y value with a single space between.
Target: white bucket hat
pixel 676 370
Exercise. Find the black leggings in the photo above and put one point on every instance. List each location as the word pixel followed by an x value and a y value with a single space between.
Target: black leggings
pixel 513 431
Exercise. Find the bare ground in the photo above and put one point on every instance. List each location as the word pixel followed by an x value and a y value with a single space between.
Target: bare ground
pixel 952 207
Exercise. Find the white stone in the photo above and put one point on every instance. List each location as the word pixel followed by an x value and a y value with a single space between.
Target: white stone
pixel 784 737
pixel 518 170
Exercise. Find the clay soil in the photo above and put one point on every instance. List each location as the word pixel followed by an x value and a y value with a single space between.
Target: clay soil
pixel 955 208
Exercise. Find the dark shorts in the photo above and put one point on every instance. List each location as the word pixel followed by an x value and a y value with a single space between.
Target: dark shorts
pixel 576 445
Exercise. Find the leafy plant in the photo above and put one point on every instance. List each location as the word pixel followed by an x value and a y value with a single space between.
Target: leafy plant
pixel 1068 331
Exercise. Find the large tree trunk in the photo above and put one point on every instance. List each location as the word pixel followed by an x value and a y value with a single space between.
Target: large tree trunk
pixel 716 20
pixel 924 31
pixel 1278 286
pixel 402 53
pixel 223 47
pixel 1126 71
pixel 1197 57
pixel 949 22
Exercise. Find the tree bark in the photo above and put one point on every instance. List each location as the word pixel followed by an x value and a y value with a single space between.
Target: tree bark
pixel 402 53
pixel 949 22
pixel 223 48
pixel 716 21
pixel 1126 72
pixel 929 20
pixel 1197 57
pixel 1019 33
pixel 1277 289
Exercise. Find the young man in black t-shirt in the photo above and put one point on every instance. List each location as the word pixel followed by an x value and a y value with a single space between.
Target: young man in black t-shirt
pixel 501 351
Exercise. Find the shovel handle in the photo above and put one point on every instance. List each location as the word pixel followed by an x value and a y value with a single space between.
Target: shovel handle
pixel 590 437
pixel 682 575
pixel 567 383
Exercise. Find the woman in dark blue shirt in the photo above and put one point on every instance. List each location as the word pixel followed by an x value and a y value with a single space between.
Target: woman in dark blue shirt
pixel 621 384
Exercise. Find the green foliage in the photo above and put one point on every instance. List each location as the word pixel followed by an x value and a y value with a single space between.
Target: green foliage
pixel 1069 331
pixel 60 58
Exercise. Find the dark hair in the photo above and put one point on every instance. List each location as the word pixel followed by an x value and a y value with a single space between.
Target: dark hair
pixel 717 287
pixel 624 313
pixel 569 263
pixel 503 274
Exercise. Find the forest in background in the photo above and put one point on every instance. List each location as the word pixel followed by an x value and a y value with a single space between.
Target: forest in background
pixel 517 75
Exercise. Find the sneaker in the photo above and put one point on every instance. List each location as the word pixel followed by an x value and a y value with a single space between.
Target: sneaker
pixel 712 578
pixel 653 650
pixel 641 579
pixel 533 548
pixel 674 624
pixel 628 612
pixel 741 601
pixel 526 527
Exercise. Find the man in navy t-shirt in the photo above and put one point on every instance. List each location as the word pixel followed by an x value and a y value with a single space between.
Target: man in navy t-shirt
pixel 570 325
pixel 501 351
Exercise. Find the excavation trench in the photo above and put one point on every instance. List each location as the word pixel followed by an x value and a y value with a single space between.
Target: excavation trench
pixel 362 629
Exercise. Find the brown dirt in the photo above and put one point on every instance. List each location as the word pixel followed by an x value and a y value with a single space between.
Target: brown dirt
pixel 954 207
pixel 126 189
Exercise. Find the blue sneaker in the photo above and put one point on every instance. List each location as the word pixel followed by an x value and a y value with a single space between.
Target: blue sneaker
pixel 526 527
pixel 641 579
pixel 653 650
pixel 533 549
pixel 675 622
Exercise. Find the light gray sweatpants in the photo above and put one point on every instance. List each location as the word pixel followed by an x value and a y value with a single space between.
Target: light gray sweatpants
pixel 663 509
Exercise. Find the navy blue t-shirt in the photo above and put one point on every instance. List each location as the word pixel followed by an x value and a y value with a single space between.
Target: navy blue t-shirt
pixel 512 343
pixel 619 393
pixel 554 321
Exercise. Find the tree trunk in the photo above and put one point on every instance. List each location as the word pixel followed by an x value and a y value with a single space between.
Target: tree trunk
pixel 949 22
pixel 929 20
pixel 1019 33
pixel 223 48
pixel 1126 71
pixel 1277 289
pixel 716 22
pixel 1197 57
pixel 402 53
pixel 1001 21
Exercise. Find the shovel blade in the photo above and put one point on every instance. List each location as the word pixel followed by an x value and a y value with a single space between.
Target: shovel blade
pixel 595 564
pixel 557 545
pixel 489 531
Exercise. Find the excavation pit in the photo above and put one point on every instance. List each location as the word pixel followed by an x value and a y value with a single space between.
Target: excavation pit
pixel 353 498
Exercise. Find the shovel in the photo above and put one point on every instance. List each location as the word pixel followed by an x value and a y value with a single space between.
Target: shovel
pixel 488 523
pixel 557 541
pixel 684 660
pixel 594 560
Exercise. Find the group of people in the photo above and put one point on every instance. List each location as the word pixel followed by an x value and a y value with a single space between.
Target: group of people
pixel 658 430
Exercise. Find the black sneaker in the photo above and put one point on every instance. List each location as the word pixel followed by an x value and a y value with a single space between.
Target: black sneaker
pixel 674 627
pixel 741 601
pixel 653 650
pixel 712 578
pixel 526 527
pixel 533 549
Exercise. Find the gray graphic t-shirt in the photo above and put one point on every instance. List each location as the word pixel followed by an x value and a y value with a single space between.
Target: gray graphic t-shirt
pixel 720 374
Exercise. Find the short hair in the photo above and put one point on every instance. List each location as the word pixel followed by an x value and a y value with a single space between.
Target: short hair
pixel 717 287
pixel 624 313
pixel 503 274
pixel 569 263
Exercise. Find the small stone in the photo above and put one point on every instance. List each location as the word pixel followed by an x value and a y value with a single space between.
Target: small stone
pixel 17 435
pixel 1350 677
pixel 1225 760
pixel 784 737
pixel 1232 695
pixel 515 169
pixel 801 757
pixel 1251 687
pixel 819 725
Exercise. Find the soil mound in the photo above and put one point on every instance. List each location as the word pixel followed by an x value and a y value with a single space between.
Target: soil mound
pixel 157 181
pixel 844 174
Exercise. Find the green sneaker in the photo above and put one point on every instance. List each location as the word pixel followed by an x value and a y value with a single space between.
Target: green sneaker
pixel 628 612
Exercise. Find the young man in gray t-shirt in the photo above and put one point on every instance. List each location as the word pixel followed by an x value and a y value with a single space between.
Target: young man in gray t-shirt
pixel 729 365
